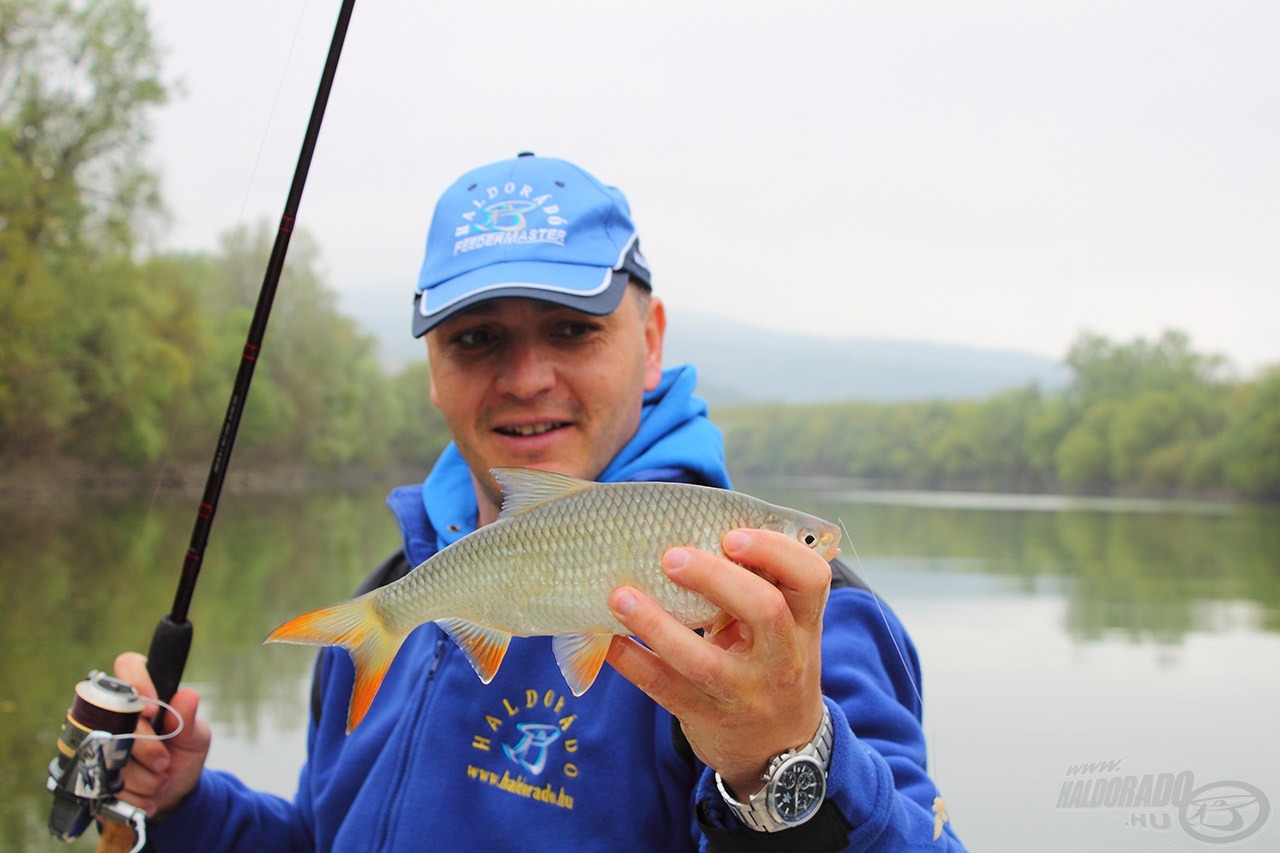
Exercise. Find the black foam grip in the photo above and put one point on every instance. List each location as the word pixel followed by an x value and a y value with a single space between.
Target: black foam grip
pixel 168 655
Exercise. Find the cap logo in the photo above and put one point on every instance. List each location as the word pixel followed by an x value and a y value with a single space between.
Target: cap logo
pixel 502 217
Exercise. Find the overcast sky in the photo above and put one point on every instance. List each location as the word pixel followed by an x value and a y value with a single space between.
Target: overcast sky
pixel 996 174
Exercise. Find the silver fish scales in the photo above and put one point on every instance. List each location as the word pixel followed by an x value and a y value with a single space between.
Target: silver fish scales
pixel 547 566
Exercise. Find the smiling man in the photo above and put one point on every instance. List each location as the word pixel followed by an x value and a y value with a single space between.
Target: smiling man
pixel 798 728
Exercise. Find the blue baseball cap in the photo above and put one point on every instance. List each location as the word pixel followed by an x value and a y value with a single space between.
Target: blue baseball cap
pixel 533 227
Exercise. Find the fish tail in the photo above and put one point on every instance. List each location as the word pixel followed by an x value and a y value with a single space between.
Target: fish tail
pixel 355 626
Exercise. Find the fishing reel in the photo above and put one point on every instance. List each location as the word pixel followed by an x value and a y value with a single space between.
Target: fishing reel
pixel 93 748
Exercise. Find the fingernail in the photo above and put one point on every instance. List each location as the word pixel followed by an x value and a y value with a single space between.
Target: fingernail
pixel 623 603
pixel 676 558
pixel 161 763
pixel 735 540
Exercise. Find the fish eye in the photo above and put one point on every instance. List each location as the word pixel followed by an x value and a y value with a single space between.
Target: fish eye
pixel 809 538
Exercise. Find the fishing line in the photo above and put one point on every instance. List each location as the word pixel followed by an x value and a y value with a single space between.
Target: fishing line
pixel 164 706
pixel 104 735
pixel 262 142
pixel 237 230
pixel 915 688
pixel 939 807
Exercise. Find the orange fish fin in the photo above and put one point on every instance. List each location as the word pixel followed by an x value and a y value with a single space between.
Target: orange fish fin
pixel 580 657
pixel 723 620
pixel 524 489
pixel 484 647
pixel 355 626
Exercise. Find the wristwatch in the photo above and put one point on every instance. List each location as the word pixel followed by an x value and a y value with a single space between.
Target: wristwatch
pixel 795 785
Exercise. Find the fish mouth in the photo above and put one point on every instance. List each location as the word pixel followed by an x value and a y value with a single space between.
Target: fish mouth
pixel 529 430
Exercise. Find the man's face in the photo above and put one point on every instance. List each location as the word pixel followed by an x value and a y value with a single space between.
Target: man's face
pixel 527 383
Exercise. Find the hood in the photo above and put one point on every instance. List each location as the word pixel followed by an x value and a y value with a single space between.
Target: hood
pixel 676 441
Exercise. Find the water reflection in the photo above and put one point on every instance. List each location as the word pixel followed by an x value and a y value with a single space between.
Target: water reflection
pixel 83 581
pixel 1125 567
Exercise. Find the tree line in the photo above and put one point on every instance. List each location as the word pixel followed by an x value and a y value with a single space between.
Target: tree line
pixel 115 355
pixel 1150 417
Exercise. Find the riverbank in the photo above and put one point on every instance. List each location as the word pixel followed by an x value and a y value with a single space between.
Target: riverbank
pixel 57 480
pixel 975 486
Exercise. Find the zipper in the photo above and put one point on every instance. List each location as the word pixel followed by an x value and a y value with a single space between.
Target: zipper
pixel 411 747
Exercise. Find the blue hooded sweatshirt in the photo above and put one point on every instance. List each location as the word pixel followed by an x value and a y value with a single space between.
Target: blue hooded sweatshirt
pixel 444 762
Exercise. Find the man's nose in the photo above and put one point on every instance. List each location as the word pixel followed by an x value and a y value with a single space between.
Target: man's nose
pixel 529 371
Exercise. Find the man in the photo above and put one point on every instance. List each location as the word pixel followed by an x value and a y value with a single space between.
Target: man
pixel 545 347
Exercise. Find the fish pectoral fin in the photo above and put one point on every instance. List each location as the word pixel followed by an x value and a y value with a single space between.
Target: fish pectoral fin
pixel 484 647
pixel 723 620
pixel 524 489
pixel 580 657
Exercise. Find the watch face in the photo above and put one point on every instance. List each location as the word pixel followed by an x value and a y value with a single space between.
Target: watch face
pixel 798 789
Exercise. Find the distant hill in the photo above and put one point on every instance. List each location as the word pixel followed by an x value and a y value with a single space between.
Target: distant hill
pixel 738 363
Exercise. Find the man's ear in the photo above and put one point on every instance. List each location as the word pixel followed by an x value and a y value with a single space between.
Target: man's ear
pixel 655 330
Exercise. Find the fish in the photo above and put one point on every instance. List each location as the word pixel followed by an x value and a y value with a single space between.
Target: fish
pixel 547 566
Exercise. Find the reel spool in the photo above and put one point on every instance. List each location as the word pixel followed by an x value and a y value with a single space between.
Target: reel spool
pixel 93 747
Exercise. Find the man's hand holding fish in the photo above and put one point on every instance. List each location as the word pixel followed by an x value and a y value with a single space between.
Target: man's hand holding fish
pixel 753 690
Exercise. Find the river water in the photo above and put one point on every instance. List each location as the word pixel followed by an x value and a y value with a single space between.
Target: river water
pixel 1140 637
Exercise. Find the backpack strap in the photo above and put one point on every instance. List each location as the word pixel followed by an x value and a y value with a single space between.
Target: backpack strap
pixel 842 576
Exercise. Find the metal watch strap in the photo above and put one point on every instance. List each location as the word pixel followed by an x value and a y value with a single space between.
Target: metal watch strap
pixel 755 813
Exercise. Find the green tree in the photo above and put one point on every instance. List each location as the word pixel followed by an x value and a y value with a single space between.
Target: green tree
pixel 77 81
pixel 1153 424
pixel 319 395
pixel 1164 404
pixel 1046 429
pixel 419 432
pixel 987 441
pixel 1108 371
pixel 1084 457
pixel 1251 441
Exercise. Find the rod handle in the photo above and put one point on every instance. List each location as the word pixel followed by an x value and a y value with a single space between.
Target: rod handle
pixel 167 658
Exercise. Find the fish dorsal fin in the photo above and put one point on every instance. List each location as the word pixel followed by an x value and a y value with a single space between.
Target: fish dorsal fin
pixel 524 489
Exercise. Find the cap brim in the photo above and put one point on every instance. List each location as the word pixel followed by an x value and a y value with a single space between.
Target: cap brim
pixel 591 290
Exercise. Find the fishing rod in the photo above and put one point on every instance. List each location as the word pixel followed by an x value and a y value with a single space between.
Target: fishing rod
pixel 172 639
pixel 85 777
